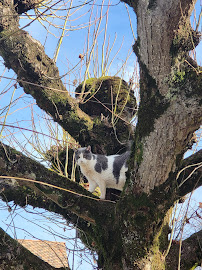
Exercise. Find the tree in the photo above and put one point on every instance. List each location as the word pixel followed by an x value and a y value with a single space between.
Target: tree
pixel 133 232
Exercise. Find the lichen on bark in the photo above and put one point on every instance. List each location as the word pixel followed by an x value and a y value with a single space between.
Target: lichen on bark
pixel 129 234
pixel 113 95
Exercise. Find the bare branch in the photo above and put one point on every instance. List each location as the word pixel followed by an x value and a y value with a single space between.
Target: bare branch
pixel 14 256
pixel 25 181
pixel 190 254
pixel 190 175
pixel 38 74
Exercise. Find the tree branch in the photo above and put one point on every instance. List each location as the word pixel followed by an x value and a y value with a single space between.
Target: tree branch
pixel 57 194
pixel 190 174
pixel 167 106
pixel 190 254
pixel 14 256
pixel 39 76
pixel 22 6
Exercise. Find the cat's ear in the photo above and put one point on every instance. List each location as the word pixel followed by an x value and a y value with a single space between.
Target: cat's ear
pixel 88 148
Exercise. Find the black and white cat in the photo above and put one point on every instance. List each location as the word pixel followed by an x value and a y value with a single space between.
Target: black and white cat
pixel 102 171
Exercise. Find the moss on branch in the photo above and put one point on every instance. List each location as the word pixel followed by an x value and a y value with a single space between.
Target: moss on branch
pixel 108 95
pixel 152 104
pixel 39 76
pixel 68 196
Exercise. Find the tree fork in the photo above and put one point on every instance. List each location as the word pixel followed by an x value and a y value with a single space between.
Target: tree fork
pixel 39 76
pixel 132 234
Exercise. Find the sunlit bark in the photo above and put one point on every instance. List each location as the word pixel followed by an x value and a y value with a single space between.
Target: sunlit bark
pixel 132 233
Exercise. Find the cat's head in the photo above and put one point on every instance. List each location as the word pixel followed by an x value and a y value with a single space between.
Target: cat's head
pixel 83 155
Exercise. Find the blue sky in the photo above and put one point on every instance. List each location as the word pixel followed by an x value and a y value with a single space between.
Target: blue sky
pixel 32 223
pixel 73 44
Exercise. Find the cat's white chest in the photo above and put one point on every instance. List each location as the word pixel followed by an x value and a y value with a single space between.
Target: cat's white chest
pixel 102 171
pixel 88 170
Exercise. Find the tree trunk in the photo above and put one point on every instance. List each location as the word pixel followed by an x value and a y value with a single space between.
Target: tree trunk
pixel 133 232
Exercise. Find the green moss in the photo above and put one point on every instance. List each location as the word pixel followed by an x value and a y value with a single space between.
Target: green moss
pixel 97 121
pixel 184 41
pixel 107 91
pixel 142 212
pixel 138 150
pixel 163 238
pixel 179 76
pixel 89 85
pixel 152 104
pixel 104 238
pixel 185 80
pixel 103 92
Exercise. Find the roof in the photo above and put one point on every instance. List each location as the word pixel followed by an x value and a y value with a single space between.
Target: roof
pixel 54 253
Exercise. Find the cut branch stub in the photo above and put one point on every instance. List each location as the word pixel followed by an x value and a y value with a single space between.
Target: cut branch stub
pixel 107 96
pixel 111 104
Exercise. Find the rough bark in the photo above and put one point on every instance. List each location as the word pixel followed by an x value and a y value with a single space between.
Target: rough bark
pixel 170 108
pixel 39 76
pixel 22 6
pixel 14 256
pixel 190 253
pixel 190 174
pixel 131 234
pixel 71 206
pixel 58 194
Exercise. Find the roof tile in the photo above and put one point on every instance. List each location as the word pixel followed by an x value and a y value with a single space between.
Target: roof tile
pixel 51 252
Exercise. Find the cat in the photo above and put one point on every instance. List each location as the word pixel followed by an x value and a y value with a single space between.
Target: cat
pixel 103 171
